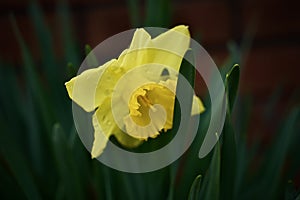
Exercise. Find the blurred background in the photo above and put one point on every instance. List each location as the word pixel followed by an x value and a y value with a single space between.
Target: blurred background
pixel 43 43
pixel 266 31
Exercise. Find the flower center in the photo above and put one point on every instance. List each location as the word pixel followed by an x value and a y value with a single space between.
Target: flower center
pixel 151 109
pixel 144 101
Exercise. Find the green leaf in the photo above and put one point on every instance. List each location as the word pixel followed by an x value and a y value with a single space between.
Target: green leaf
pixel 35 142
pixel 8 186
pixel 189 165
pixel 98 179
pixel 276 156
pixel 32 79
pixel 130 189
pixel 80 156
pixel 59 192
pixel 187 68
pixel 45 42
pixel 211 188
pixel 66 166
pixel 187 71
pixel 172 170
pixel 64 21
pixel 228 161
pixel 11 101
pixel 298 197
pixel 195 188
pixel 134 12
pixel 290 193
pixel 229 155
pixel 17 165
pixel 109 194
pixel 231 85
pixel 37 112
pixel 235 56
pixel 52 71
pixel 158 13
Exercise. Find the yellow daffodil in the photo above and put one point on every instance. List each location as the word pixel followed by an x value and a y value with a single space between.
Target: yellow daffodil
pixel 141 117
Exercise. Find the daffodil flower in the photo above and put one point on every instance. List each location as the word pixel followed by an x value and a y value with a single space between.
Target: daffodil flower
pixel 141 118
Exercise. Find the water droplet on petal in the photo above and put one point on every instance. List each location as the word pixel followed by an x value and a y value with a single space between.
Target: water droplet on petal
pixel 107 91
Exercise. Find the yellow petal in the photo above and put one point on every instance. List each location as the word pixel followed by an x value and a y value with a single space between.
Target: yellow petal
pixel 197 107
pixel 141 39
pixel 176 41
pixel 82 88
pixel 170 47
pixel 136 54
pixel 100 139
pixel 167 49
pixel 94 88
pixel 105 126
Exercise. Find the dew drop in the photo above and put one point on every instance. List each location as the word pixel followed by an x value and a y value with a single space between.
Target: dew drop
pixel 107 91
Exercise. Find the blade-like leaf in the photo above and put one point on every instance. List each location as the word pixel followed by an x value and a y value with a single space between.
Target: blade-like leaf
pixel 298 197
pixel 290 193
pixel 228 158
pixel 173 170
pixel 189 166
pixel 15 160
pixel 231 85
pixel 51 70
pixel 195 188
pixel 69 174
pixel 228 161
pixel 63 19
pixel 135 18
pixel 211 189
pixel 276 157
pixel 32 79
pixel 45 43
pixel 158 13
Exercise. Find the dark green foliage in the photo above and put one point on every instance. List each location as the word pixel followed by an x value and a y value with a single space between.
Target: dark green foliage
pixel 42 157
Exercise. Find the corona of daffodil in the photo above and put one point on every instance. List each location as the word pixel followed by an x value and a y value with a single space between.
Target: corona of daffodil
pixel 94 89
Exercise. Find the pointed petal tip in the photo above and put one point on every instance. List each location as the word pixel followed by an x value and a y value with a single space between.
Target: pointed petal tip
pixel 94 155
pixel 182 29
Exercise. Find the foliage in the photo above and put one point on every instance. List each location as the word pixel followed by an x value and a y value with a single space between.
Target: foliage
pixel 42 157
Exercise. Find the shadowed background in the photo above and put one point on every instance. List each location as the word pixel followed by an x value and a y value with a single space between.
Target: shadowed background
pixel 262 36
pixel 268 31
